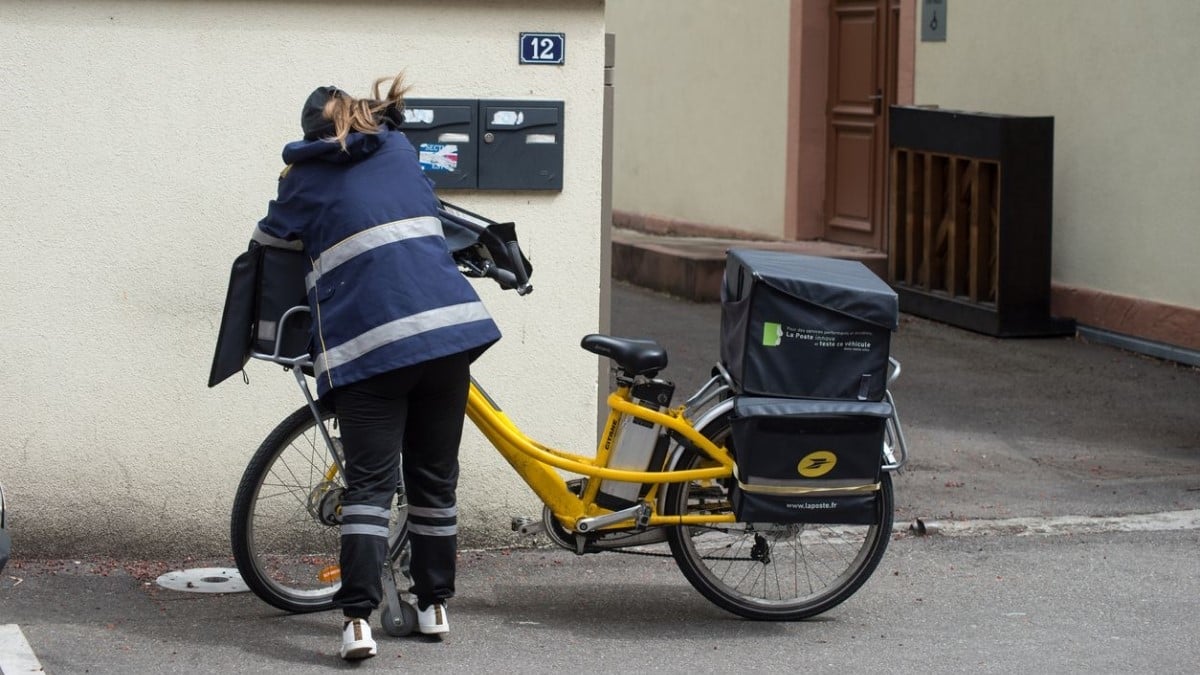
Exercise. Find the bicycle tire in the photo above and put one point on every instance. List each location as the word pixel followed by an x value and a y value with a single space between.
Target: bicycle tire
pixel 811 568
pixel 285 541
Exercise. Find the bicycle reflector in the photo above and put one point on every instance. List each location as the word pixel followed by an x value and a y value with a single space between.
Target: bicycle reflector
pixel 330 574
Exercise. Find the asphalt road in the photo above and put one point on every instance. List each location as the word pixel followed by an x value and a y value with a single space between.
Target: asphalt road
pixel 1059 483
pixel 987 603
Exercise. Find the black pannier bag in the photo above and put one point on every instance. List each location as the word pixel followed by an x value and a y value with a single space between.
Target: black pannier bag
pixel 802 326
pixel 237 318
pixel 281 287
pixel 807 461
pixel 264 282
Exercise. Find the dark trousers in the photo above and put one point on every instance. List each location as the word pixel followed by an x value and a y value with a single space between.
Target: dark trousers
pixel 418 409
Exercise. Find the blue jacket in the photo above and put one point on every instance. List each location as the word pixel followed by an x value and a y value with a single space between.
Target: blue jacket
pixel 384 291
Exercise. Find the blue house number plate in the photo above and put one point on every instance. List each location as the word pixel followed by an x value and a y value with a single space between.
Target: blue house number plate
pixel 543 48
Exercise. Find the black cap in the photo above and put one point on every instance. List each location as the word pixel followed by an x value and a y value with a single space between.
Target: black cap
pixel 312 117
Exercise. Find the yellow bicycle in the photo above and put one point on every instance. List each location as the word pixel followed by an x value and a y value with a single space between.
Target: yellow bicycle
pixel 671 496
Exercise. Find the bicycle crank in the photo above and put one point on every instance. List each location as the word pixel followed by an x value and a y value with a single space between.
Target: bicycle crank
pixel 591 542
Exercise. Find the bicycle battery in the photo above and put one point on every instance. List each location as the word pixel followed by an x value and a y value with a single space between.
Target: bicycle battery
pixel 639 445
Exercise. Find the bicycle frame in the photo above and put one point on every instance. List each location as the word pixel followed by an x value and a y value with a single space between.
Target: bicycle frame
pixel 535 463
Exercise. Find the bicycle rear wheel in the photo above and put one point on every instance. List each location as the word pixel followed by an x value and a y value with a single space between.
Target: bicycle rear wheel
pixel 770 571
pixel 284 524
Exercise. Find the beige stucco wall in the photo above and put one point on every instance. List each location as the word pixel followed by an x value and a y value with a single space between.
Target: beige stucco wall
pixel 700 126
pixel 141 143
pixel 1120 80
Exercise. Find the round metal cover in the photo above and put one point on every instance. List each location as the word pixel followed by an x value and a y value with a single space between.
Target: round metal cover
pixel 204 580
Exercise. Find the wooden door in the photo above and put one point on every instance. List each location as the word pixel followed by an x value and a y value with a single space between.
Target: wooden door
pixel 862 84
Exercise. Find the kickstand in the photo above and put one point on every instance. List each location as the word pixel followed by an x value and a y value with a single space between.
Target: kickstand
pixel 399 617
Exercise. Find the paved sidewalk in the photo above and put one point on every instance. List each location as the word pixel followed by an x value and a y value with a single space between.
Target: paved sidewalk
pixel 999 428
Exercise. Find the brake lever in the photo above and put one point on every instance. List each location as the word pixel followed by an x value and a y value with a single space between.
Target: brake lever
pixel 506 279
pixel 472 269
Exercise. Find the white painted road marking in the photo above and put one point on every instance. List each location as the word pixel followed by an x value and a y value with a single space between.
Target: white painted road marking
pixel 16 656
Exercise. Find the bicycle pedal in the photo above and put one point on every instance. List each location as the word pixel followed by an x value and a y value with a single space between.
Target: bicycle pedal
pixel 523 525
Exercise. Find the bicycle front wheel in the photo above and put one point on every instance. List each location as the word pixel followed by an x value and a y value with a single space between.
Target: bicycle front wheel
pixel 285 522
pixel 771 571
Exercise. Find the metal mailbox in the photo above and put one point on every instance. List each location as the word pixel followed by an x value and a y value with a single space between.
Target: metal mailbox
pixel 522 145
pixel 445 135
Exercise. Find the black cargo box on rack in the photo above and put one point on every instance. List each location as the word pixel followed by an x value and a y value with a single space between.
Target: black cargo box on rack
pixel 807 461
pixel 802 326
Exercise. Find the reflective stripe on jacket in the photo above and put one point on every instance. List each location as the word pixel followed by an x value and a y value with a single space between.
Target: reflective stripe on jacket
pixel 384 291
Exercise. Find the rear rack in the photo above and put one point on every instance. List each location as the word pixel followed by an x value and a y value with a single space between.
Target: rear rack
pixel 300 366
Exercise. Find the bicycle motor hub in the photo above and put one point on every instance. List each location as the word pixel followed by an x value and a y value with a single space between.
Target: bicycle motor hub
pixel 325 503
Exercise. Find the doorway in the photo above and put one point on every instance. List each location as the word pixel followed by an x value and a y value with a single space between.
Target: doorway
pixel 863 74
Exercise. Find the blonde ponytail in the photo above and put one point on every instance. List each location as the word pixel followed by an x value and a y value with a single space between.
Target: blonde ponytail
pixel 349 114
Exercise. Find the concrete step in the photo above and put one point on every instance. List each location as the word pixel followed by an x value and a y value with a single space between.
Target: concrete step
pixel 691 267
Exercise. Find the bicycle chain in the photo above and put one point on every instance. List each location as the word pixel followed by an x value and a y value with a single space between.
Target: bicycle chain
pixel 642 553
pixel 650 554
pixel 670 555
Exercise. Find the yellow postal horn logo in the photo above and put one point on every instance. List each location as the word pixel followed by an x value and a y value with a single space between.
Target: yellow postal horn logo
pixel 816 464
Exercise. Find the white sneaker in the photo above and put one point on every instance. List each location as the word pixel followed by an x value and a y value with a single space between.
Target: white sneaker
pixel 356 640
pixel 433 620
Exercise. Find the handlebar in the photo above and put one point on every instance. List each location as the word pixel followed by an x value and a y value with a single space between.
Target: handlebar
pixel 487 268
pixel 521 277
pixel 506 279
pixel 484 248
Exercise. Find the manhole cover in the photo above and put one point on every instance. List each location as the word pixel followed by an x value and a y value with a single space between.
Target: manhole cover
pixel 204 580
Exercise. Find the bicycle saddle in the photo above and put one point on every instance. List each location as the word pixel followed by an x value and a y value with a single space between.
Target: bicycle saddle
pixel 633 355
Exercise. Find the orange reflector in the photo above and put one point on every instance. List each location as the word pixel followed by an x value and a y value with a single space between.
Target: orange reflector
pixel 330 574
